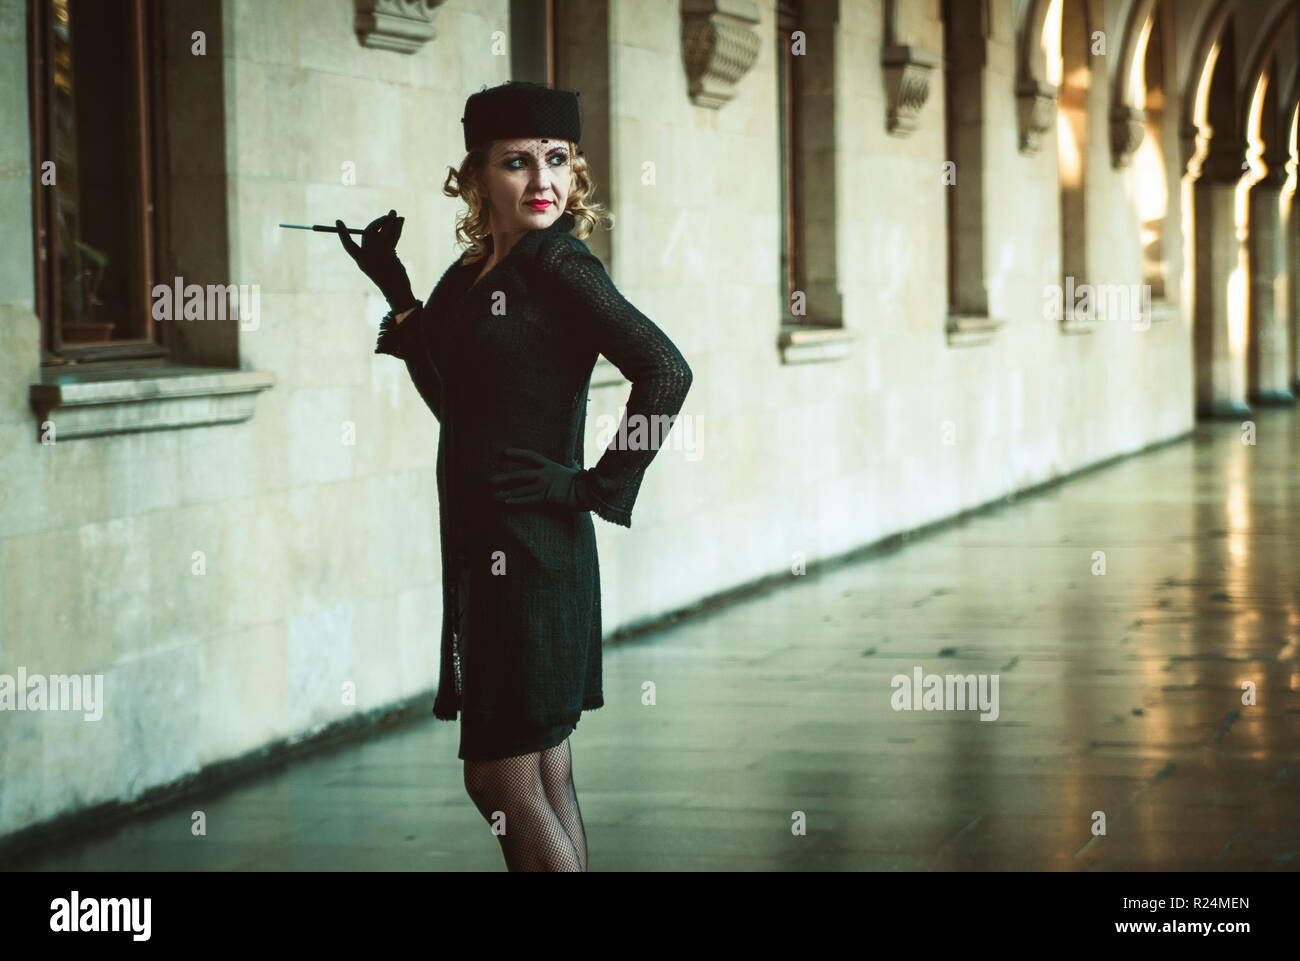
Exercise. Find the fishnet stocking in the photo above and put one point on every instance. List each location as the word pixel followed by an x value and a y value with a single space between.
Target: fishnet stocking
pixel 509 792
pixel 557 779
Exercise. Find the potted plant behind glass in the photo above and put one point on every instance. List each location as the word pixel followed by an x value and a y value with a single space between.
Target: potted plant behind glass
pixel 90 279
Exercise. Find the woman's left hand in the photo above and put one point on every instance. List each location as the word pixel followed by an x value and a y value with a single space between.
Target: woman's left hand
pixel 545 483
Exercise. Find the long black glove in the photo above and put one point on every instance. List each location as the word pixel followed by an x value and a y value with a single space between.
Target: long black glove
pixel 377 258
pixel 545 483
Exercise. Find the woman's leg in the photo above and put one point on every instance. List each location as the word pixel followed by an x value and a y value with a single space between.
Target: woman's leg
pixel 509 792
pixel 557 779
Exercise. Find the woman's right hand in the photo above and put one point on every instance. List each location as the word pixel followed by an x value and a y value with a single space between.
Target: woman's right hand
pixel 377 258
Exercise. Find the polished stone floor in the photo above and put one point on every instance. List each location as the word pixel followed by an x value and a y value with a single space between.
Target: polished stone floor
pixel 1120 696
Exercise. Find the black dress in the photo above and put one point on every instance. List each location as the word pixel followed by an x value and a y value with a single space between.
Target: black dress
pixel 488 742
pixel 506 362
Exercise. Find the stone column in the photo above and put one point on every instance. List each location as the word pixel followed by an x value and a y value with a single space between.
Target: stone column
pixel 1293 253
pixel 1291 244
pixel 1268 356
pixel 1220 317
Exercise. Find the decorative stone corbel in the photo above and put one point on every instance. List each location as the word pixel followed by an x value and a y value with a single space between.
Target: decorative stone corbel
pixel 1036 109
pixel 720 46
pixel 1126 133
pixel 403 26
pixel 907 85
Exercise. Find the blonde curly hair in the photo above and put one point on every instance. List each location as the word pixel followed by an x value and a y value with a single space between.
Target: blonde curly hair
pixel 472 225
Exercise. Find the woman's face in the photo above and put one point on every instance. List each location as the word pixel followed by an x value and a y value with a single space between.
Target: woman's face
pixel 520 172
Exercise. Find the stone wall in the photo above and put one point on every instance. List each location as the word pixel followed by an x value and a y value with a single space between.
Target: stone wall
pixel 321 556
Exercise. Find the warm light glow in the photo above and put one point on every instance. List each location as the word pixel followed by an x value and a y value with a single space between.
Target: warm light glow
pixel 1151 201
pixel 1199 109
pixel 1069 154
pixel 1255 145
pixel 1291 161
pixel 1187 276
pixel 1149 173
pixel 1237 508
pixel 1238 307
pixel 1253 165
pixel 1202 102
pixel 1052 44
pixel 1138 77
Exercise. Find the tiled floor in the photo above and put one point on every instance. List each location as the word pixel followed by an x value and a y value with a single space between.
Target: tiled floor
pixel 1118 693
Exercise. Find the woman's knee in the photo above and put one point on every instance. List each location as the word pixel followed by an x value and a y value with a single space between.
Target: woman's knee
pixel 502 783
pixel 478 780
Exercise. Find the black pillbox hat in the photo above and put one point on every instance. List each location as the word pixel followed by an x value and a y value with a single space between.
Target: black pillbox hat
pixel 518 108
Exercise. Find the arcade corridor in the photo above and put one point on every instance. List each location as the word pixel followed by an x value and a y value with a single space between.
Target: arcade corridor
pixel 1119 693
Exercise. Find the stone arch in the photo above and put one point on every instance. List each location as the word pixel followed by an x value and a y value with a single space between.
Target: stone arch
pixel 1291 95
pixel 1263 44
pixel 1195 131
pixel 1150 104
pixel 1126 126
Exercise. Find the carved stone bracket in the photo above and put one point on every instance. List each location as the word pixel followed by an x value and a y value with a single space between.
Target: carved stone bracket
pixel 1035 109
pixel 403 26
pixel 907 85
pixel 720 46
pixel 1126 133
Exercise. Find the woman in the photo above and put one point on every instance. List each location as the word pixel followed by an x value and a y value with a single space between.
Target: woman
pixel 502 353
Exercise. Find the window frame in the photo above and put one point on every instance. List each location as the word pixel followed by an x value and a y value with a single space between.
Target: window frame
pixel 791 162
pixel 150 160
pixel 537 63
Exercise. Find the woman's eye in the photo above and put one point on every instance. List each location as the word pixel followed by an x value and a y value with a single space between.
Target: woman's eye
pixel 518 163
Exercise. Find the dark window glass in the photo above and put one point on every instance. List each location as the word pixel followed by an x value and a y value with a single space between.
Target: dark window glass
pixel 96 227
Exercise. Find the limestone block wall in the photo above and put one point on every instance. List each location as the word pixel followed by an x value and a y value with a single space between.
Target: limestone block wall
pixel 820 458
pixel 320 556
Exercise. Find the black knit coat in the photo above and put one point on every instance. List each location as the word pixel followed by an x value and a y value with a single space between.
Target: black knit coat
pixel 506 362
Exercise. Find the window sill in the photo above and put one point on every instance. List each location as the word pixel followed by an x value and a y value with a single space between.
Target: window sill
pixel 806 343
pixel 1163 311
pixel 970 330
pixel 1085 322
pixel 103 400
pixel 1079 322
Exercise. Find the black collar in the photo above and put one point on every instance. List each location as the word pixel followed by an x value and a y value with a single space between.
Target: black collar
pixel 564 223
pixel 471 282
